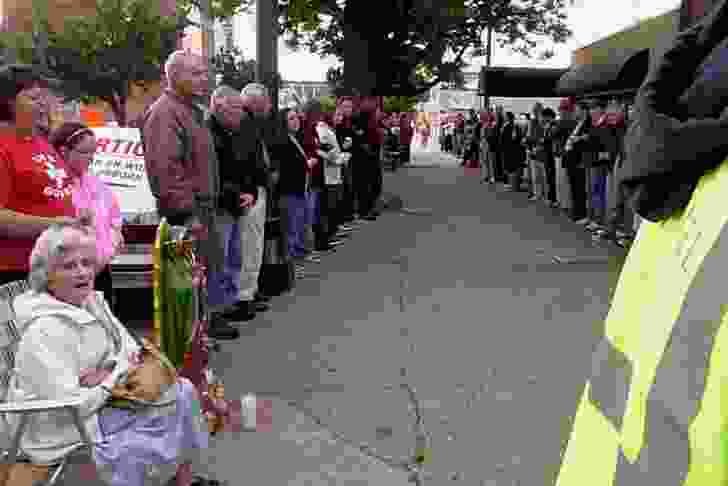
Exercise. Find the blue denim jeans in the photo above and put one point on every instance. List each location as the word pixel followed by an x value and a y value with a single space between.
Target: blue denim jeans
pixel 313 211
pixel 599 193
pixel 222 288
pixel 297 205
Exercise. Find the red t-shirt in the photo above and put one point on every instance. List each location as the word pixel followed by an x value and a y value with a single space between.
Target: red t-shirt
pixel 33 180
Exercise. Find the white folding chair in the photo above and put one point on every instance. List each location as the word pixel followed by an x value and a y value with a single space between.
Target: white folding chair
pixel 9 338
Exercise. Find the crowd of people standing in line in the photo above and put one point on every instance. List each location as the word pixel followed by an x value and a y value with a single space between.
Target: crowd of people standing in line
pixel 570 161
pixel 274 192
pixel 260 194
pixel 263 195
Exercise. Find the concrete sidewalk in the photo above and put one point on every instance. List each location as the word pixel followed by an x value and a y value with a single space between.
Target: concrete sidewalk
pixel 433 159
pixel 295 451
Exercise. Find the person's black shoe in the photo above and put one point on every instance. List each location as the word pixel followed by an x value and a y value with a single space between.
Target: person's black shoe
pixel 260 306
pixel 202 481
pixel 220 329
pixel 243 312
pixel 197 481
pixel 370 217
pixel 261 298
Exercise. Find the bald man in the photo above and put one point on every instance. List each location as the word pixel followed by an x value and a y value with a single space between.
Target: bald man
pixel 181 161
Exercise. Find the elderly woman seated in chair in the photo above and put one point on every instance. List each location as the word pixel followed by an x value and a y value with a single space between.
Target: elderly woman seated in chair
pixel 72 346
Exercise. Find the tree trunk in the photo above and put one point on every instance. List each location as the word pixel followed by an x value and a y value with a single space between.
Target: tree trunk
pixel 360 48
pixel 118 107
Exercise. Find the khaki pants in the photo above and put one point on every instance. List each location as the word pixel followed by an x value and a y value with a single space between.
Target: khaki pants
pixel 252 240
pixel 485 164
pixel 538 179
pixel 563 190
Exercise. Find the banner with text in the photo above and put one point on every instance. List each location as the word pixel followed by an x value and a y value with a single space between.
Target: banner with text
pixel 119 162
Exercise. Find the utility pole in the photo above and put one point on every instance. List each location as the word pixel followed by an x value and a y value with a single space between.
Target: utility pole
pixel 208 40
pixel 488 52
pixel 266 71
pixel 40 34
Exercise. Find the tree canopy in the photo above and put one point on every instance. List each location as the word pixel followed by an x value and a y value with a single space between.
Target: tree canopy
pixel 415 44
pixel 102 56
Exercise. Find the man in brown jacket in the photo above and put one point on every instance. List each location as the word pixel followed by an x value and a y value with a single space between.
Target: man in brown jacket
pixel 181 161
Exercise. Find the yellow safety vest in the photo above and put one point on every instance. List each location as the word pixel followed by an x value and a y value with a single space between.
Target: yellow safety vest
pixel 652 411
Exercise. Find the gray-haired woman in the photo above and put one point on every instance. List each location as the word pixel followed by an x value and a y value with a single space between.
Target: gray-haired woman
pixel 72 346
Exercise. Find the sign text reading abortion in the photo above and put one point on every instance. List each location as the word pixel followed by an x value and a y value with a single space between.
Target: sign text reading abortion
pixel 119 147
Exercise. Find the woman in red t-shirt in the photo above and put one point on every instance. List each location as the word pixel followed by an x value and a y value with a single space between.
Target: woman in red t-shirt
pixel 35 184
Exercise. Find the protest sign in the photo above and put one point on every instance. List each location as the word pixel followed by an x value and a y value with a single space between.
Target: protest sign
pixel 119 162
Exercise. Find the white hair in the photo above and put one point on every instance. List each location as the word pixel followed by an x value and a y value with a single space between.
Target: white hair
pixel 254 89
pixel 171 66
pixel 52 244
pixel 219 94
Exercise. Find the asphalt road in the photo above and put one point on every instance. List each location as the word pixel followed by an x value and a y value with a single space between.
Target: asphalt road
pixel 458 297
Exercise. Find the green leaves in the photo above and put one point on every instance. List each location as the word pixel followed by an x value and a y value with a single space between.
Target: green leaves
pixel 400 104
pixel 101 56
pixel 220 9
pixel 408 34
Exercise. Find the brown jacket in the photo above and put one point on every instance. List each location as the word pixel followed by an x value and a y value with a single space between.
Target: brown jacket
pixel 179 155
pixel 182 167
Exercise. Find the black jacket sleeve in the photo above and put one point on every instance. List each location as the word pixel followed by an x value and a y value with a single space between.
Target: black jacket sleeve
pixel 666 151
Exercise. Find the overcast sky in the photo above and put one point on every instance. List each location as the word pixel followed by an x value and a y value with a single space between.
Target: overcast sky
pixel 590 20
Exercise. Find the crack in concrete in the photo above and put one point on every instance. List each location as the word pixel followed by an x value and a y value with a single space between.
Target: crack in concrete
pixel 363 448
pixel 421 448
pixel 412 464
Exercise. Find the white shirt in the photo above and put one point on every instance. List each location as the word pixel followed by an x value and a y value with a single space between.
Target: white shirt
pixel 334 159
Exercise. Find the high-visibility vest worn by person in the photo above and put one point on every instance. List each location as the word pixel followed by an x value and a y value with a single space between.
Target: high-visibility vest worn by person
pixel 652 412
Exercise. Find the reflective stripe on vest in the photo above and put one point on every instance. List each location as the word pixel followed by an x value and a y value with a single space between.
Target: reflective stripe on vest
pixel 656 395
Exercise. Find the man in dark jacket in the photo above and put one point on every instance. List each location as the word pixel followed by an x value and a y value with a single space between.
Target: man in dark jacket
pixel 367 164
pixel 565 126
pixel 253 154
pixel 575 151
pixel 511 152
pixel 495 149
pixel 239 191
pixel 406 133
pixel 546 155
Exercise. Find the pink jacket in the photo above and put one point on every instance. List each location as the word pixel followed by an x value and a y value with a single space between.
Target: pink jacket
pixel 94 196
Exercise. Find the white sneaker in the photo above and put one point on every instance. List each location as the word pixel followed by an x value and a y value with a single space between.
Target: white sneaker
pixel 583 221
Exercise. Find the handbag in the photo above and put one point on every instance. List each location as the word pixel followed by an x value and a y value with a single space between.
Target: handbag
pixel 145 383
pixel 23 474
